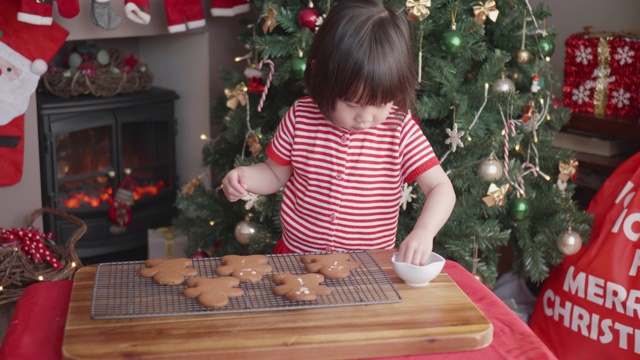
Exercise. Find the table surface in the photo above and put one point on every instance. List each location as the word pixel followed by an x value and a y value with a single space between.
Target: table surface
pixel 432 319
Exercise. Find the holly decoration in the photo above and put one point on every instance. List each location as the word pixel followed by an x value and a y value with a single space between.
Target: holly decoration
pixel 519 209
pixel 308 16
pixel 546 46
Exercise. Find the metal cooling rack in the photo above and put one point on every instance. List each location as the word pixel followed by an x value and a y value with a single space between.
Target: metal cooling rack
pixel 119 292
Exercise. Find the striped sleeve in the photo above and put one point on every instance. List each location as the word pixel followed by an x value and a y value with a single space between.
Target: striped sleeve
pixel 416 152
pixel 280 148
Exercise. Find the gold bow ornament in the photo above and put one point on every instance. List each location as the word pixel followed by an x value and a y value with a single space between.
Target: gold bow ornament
pixel 269 21
pixel 236 96
pixel 485 10
pixel 496 195
pixel 418 9
pixel 568 170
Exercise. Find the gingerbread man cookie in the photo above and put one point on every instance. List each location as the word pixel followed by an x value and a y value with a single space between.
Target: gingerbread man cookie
pixel 248 269
pixel 303 287
pixel 168 271
pixel 332 266
pixel 212 292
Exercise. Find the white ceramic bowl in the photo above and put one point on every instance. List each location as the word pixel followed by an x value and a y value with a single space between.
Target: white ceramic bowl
pixel 418 275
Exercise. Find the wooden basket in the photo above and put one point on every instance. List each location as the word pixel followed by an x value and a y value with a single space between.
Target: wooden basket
pixel 17 271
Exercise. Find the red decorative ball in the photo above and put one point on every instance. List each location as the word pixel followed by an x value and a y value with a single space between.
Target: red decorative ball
pixel 307 18
pixel 199 255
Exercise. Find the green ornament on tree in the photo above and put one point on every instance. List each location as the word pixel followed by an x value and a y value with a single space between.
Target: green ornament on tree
pixel 547 46
pixel 519 209
pixel 298 66
pixel 452 41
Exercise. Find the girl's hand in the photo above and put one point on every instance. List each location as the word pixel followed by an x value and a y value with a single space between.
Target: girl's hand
pixel 234 185
pixel 415 248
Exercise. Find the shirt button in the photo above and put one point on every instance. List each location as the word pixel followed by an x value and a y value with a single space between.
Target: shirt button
pixel 344 139
pixel 339 176
pixel 333 217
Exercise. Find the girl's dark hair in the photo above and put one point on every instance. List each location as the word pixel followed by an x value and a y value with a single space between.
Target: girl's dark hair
pixel 362 53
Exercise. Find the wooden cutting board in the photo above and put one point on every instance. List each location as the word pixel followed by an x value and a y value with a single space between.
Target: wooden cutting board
pixel 431 319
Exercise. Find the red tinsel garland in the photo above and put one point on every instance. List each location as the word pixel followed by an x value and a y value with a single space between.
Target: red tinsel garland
pixel 31 242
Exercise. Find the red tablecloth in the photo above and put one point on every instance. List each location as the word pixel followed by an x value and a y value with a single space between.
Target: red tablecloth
pixel 37 325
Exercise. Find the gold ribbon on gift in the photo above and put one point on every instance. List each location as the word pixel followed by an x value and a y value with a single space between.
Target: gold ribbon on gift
pixel 169 240
pixel 600 91
pixel 485 10
pixel 496 195
pixel 567 170
pixel 236 96
pixel 418 8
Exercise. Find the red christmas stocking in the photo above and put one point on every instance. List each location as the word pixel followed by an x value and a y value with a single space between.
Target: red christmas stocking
pixel 137 11
pixel 229 7
pixel 38 12
pixel 24 52
pixel 120 210
pixel 183 15
pixel 11 151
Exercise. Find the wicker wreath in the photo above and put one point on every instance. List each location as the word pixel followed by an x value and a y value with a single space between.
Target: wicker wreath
pixel 17 271
pixel 105 80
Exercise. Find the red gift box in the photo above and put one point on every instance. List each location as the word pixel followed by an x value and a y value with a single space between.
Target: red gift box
pixel 602 74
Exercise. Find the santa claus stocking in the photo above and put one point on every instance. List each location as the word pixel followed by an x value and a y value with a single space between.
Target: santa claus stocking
pixel 102 15
pixel 38 12
pixel 24 52
pixel 229 7
pixel 183 15
pixel 137 11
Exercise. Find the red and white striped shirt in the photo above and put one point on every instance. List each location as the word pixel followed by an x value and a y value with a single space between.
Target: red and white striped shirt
pixel 345 189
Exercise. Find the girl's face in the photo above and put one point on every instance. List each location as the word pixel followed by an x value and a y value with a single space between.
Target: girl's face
pixel 355 117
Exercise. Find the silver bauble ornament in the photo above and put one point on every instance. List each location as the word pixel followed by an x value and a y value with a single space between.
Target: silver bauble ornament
pixel 503 86
pixel 244 230
pixel 523 56
pixel 490 169
pixel 569 242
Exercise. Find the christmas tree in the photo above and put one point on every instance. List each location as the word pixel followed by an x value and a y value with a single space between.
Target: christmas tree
pixel 485 100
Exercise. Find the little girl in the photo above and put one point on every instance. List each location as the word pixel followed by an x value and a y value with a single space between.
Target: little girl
pixel 344 152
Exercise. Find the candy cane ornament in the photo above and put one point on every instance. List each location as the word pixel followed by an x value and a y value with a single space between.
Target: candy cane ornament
pixel 269 78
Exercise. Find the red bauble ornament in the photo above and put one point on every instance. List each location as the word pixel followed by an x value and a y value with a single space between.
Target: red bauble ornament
pixel 199 255
pixel 307 18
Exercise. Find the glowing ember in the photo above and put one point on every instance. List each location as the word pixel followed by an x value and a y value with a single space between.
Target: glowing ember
pixel 104 195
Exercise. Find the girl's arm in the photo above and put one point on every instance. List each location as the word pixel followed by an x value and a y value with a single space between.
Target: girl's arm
pixel 261 179
pixel 441 198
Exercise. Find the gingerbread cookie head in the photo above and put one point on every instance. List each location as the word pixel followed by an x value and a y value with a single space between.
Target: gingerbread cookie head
pixel 168 271
pixel 248 269
pixel 332 266
pixel 212 292
pixel 304 287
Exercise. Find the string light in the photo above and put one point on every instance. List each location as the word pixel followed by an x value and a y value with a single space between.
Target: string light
pixel 203 137
pixel 40 278
pixel 73 264
pixel 212 222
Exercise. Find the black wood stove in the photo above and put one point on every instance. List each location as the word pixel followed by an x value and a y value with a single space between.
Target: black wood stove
pixel 92 151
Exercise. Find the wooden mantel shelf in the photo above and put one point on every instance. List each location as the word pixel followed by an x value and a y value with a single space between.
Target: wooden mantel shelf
pixel 626 130
pixel 606 126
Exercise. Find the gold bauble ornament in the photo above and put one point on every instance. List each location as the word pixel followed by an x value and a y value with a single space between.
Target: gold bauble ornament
pixel 244 230
pixel 523 56
pixel 503 86
pixel 569 242
pixel 490 169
